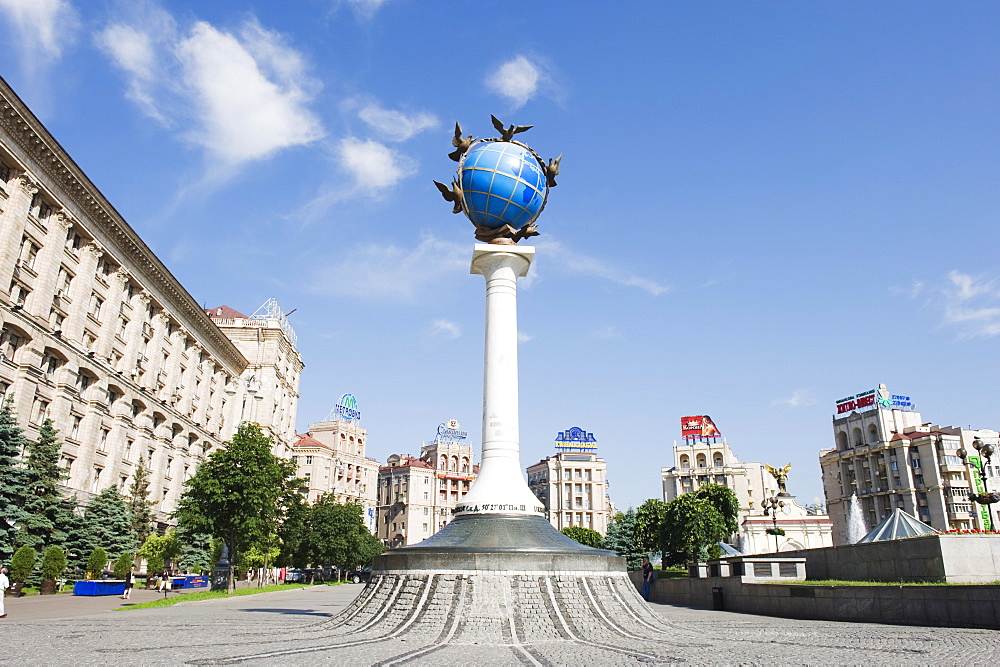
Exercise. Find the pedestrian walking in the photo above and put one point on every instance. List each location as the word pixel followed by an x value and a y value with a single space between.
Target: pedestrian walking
pixel 4 585
pixel 129 582
pixel 647 577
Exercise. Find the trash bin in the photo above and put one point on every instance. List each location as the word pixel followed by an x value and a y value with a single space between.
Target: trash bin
pixel 718 601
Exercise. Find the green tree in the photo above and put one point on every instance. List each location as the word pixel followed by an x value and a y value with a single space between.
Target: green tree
pixel 122 565
pixel 140 506
pixel 158 550
pixel 45 520
pixel 109 522
pixel 725 501
pixel 240 493
pixel 692 525
pixel 13 478
pixel 587 536
pixel 336 535
pixel 649 526
pixel 292 534
pixel 96 563
pixel 621 539
pixel 22 564
pixel 53 564
pixel 195 552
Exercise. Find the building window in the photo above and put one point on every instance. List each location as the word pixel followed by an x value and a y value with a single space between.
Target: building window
pixel 18 293
pixel 29 254
pixel 309 460
pixel 74 430
pixel 95 484
pixel 9 344
pixel 40 410
pixel 102 444
pixel 96 303
pixel 128 449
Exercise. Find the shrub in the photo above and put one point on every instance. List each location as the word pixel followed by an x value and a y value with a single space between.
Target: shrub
pixel 53 564
pixel 586 536
pixel 97 562
pixel 123 565
pixel 22 563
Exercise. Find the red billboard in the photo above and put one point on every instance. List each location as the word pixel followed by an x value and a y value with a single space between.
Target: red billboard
pixel 699 426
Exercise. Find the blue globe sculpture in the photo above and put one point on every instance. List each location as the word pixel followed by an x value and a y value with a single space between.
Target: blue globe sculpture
pixel 503 183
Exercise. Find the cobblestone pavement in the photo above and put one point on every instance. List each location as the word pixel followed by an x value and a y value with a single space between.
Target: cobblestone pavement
pixel 306 626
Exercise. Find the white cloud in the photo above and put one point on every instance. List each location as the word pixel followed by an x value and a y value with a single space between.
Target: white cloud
pixel 523 337
pixel 799 398
pixel 392 273
pixel 43 28
pixel 133 51
pixel 245 114
pixel 972 303
pixel 395 125
pixel 517 79
pixel 242 95
pixel 366 8
pixel 570 261
pixel 372 165
pixel 445 329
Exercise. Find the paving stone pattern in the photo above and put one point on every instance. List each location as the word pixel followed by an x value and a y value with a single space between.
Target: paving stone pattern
pixel 462 619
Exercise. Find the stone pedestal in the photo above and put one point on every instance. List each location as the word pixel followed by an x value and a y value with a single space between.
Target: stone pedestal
pixel 499 573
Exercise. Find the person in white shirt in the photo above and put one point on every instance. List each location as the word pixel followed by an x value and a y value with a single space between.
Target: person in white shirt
pixel 4 585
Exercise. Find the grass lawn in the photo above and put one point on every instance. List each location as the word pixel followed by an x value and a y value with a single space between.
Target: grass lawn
pixel 213 595
pixel 838 582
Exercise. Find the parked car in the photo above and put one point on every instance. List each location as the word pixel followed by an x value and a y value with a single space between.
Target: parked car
pixel 357 576
pixel 293 575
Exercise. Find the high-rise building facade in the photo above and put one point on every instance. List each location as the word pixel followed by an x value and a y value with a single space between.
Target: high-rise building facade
pixel 270 381
pixel 417 496
pixel 887 457
pixel 706 458
pixel 573 483
pixel 331 458
pixel 96 332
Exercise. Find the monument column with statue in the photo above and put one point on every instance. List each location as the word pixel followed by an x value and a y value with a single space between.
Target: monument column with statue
pixel 499 567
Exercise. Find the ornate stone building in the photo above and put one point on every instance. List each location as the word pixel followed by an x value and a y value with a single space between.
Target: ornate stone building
pixel 96 332
pixel 271 378
pixel 886 457
pixel 331 458
pixel 573 484
pixel 416 496
pixel 705 460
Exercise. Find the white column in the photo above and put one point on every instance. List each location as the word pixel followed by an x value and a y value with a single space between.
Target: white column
pixel 500 487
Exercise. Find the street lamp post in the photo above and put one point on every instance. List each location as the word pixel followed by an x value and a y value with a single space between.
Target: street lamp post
pixel 771 507
pixel 979 464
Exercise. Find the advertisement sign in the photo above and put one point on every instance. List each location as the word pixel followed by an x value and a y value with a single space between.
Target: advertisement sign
pixel 576 440
pixel 984 510
pixel 451 433
pixel 699 426
pixel 874 399
pixel 347 408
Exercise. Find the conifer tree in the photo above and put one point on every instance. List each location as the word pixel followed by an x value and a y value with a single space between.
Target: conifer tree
pixel 107 523
pixel 139 503
pixel 44 524
pixel 621 539
pixel 13 479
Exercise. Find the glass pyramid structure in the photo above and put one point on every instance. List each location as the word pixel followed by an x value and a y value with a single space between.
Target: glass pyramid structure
pixel 897 525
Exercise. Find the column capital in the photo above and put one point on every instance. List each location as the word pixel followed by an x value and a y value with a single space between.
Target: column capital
pixel 95 250
pixel 28 184
pixel 485 255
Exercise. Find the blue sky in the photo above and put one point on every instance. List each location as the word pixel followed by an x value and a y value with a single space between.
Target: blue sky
pixel 763 206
